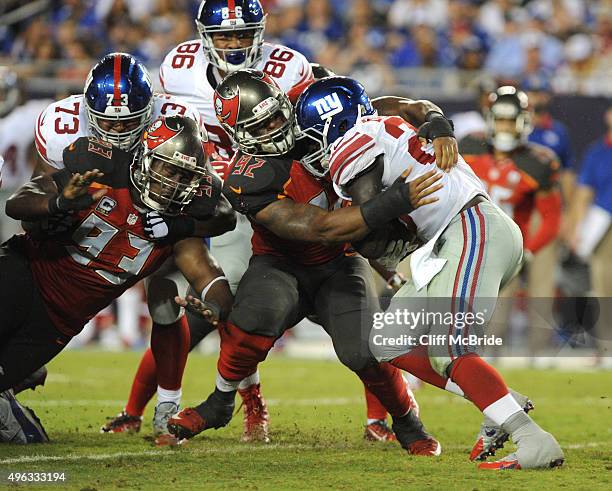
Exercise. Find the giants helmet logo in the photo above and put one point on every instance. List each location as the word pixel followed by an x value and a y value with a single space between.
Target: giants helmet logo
pixel 328 106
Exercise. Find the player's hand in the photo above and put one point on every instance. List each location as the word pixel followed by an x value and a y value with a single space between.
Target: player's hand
pixel 208 310
pixel 422 187
pixel 440 131
pixel 160 227
pixel 75 196
pixel 446 152
pixel 396 251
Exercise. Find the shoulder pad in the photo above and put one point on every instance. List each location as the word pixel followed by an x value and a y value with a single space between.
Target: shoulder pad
pixel 206 199
pixel 88 153
pixel 252 183
pixel 540 163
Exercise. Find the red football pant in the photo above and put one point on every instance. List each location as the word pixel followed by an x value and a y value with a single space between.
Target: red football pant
pixel 170 347
pixel 241 352
pixel 417 363
pixel 375 410
pixel 480 382
pixel 386 383
pixel 144 385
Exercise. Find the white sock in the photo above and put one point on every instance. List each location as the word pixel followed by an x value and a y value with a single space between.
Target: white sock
pixel 248 381
pixel 502 409
pixel 370 420
pixel 165 395
pixel 226 385
pixel 453 388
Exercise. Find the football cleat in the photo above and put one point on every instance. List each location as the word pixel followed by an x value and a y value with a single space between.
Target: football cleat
pixel 18 423
pixel 186 424
pixel 428 447
pixel 122 423
pixel 163 412
pixel 256 416
pixel 412 436
pixel 535 448
pixel 379 431
pixel 492 437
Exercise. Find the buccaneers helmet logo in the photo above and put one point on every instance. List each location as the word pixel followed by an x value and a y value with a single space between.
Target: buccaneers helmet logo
pixel 158 133
pixel 227 109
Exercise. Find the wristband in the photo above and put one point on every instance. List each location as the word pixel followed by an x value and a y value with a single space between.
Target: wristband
pixel 208 287
pixel 437 126
pixel 387 206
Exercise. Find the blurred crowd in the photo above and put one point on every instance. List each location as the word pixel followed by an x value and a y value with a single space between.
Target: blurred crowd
pixel 568 42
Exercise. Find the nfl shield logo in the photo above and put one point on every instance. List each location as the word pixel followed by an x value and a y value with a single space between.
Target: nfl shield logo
pixel 132 219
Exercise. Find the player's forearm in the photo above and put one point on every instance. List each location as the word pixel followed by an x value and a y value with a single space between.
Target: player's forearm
pixel 339 226
pixel 31 202
pixel 412 111
pixel 201 271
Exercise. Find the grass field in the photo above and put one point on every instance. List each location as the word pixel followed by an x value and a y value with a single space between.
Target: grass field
pixel 316 428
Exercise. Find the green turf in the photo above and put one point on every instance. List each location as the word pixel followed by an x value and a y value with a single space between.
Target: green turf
pixel 314 444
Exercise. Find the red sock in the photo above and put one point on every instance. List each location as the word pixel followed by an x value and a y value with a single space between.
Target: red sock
pixel 241 352
pixel 387 384
pixel 170 347
pixel 417 363
pixel 480 382
pixel 143 386
pixel 374 408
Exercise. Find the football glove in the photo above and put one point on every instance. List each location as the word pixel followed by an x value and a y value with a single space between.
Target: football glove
pixel 160 227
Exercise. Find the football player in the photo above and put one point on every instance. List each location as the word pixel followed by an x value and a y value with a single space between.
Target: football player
pixel 472 248
pixel 300 262
pixel 17 121
pixel 231 38
pixel 57 283
pixel 522 178
pixel 116 105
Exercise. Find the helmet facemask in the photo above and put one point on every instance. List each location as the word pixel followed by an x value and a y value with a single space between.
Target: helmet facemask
pixel 253 136
pixel 502 139
pixel 126 140
pixel 167 185
pixel 230 60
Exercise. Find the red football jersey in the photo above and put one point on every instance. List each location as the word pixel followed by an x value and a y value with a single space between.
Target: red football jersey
pixel 104 253
pixel 253 183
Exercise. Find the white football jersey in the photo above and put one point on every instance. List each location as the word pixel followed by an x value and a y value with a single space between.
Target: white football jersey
pixel 64 121
pixel 401 148
pixel 186 73
pixel 16 138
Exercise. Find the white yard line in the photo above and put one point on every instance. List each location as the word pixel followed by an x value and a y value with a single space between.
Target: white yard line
pixel 227 449
pixel 152 453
